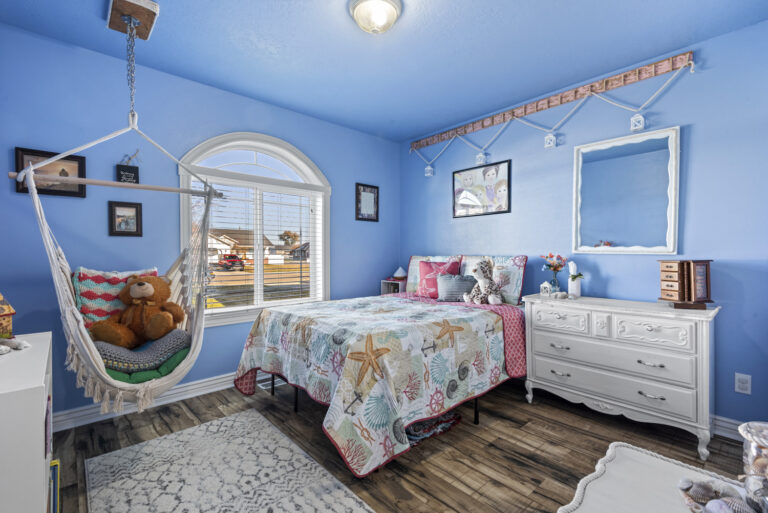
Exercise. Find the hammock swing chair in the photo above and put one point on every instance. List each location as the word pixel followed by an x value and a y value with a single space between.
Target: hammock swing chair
pixel 188 274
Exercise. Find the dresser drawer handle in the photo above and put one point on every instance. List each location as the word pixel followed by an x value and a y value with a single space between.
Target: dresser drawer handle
pixel 649 396
pixel 649 364
pixel 559 316
pixel 648 327
pixel 558 346
pixel 561 374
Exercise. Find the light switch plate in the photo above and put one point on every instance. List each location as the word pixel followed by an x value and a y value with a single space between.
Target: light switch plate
pixel 743 383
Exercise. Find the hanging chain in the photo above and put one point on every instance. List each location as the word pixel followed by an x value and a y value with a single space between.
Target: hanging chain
pixel 130 35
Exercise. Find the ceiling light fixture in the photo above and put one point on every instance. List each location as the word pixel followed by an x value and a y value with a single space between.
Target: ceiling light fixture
pixel 375 16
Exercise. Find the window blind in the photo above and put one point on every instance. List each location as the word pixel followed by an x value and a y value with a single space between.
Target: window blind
pixel 265 245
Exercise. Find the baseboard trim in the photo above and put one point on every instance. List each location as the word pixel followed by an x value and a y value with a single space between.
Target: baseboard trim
pixel 725 427
pixel 92 413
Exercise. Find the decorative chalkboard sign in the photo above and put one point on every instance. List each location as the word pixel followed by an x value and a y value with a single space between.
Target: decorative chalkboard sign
pixel 127 174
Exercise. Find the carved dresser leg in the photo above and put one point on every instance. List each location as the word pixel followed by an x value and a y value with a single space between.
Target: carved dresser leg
pixel 529 388
pixel 704 438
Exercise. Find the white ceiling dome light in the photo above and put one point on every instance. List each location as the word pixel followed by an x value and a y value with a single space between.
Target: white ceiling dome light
pixel 375 16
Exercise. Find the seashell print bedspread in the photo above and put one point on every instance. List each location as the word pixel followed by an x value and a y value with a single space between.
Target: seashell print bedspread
pixel 382 363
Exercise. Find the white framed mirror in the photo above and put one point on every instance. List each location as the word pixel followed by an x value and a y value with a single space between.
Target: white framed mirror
pixel 625 194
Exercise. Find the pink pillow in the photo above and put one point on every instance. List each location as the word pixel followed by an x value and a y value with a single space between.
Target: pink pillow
pixel 428 273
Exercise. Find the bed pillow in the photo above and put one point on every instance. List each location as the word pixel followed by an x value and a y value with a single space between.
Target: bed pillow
pixel 149 356
pixel 412 282
pixel 428 273
pixel 452 288
pixel 96 292
pixel 508 273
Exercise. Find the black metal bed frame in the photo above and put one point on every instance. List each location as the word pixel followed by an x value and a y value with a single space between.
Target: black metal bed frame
pixel 475 421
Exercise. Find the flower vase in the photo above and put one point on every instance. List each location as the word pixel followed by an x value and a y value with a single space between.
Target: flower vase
pixel 555 283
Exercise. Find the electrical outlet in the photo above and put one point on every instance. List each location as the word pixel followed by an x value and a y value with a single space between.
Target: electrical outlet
pixel 744 383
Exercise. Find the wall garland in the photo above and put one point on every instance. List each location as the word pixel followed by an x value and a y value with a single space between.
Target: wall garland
pixel 579 95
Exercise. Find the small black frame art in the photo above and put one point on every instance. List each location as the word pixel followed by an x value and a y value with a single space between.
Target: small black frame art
pixel 72 166
pixel 125 219
pixel 366 202
pixel 126 174
pixel 481 190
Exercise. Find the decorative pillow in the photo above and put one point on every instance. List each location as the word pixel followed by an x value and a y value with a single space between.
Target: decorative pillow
pixel 150 356
pixel 96 292
pixel 428 273
pixel 508 273
pixel 412 282
pixel 148 375
pixel 452 288
pixel 468 262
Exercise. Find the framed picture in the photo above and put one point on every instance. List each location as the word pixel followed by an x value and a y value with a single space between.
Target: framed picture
pixel 72 166
pixel 481 190
pixel 127 174
pixel 366 202
pixel 125 219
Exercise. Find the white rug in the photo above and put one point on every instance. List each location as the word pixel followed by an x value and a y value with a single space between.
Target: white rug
pixel 240 463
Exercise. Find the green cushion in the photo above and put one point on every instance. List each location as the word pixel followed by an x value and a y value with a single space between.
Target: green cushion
pixel 142 376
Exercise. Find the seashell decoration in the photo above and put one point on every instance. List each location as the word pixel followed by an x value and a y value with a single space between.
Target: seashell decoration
pixel 712 497
pixel 728 505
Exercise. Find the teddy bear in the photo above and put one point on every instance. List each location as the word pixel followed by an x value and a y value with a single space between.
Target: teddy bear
pixel 485 291
pixel 148 314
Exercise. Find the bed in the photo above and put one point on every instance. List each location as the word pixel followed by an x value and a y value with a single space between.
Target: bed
pixel 383 363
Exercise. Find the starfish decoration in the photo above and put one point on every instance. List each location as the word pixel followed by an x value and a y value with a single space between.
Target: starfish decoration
pixel 369 359
pixel 447 329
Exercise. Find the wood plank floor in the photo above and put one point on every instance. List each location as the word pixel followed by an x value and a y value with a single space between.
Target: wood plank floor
pixel 521 458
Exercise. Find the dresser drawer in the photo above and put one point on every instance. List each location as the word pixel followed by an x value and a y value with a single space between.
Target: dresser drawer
pixel 664 332
pixel 670 285
pixel 671 265
pixel 670 276
pixel 675 368
pixel 666 399
pixel 562 319
pixel 671 295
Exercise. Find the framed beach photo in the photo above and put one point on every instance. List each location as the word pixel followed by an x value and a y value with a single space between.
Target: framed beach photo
pixel 125 219
pixel 481 190
pixel 366 202
pixel 72 166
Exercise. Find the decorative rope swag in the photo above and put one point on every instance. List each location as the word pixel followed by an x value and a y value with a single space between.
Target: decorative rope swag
pixel 596 90
pixel 187 274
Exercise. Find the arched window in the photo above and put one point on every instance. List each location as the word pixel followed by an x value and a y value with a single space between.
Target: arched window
pixel 269 240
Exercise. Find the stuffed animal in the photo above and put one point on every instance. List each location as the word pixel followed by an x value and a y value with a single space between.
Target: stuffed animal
pixel 485 291
pixel 148 314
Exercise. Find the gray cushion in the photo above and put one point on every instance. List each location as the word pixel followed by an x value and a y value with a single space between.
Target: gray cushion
pixel 149 356
pixel 452 287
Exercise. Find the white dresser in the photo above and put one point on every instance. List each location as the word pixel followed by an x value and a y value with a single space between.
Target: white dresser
pixel 646 361
pixel 25 389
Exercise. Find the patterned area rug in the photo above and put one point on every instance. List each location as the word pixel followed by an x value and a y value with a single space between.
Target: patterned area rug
pixel 240 463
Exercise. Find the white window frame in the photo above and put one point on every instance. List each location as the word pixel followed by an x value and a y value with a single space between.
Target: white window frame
pixel 314 183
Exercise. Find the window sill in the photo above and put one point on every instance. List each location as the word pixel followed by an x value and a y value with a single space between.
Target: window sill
pixel 239 315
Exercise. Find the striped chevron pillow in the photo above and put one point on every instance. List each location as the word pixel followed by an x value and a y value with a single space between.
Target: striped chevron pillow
pixel 96 291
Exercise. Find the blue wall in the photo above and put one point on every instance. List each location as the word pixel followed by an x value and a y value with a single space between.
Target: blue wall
pixel 54 97
pixel 722 113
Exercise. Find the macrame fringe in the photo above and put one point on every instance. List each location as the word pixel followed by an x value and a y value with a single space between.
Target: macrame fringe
pixel 143 398
pixel 89 385
pixel 117 404
pixel 80 379
pixel 97 392
pixel 105 403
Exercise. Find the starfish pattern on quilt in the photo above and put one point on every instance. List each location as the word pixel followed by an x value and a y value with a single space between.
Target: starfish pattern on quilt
pixel 369 359
pixel 447 329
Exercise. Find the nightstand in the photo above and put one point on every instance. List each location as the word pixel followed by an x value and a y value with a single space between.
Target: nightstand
pixel 392 286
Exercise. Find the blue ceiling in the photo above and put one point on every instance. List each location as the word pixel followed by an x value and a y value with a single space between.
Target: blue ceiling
pixel 444 61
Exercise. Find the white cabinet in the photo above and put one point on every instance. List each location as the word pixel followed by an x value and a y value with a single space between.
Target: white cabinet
pixel 647 361
pixel 25 443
